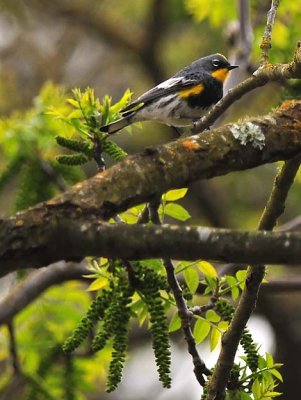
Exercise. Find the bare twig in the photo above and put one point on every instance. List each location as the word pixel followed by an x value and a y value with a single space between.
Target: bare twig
pixel 291 225
pixel 267 36
pixel 271 213
pixel 276 203
pixel 240 40
pixel 13 349
pixel 185 315
pixel 53 175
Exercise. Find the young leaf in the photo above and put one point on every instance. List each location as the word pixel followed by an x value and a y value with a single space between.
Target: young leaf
pixel 99 283
pixel 277 374
pixel 270 360
pixel 176 194
pixel 272 394
pixel 207 269
pixel 223 325
pixel 244 396
pixel 176 211
pixel 241 277
pixel 191 278
pixel 175 323
pixel 256 390
pixel 214 338
pixel 212 316
pixel 201 330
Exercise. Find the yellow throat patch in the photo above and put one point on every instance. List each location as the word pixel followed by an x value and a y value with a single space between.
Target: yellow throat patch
pixel 193 91
pixel 221 74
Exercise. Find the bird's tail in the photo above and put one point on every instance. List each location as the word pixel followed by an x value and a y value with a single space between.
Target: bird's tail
pixel 116 126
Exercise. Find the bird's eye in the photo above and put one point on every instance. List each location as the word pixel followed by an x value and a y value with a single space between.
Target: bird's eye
pixel 216 63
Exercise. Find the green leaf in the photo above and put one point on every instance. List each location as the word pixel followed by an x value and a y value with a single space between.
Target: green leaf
pixel 223 325
pixel 261 362
pixel 232 282
pixel 241 276
pixel 191 278
pixel 270 360
pixel 73 102
pixel 277 374
pixel 212 284
pixel 234 292
pixel 76 114
pixel 272 394
pixel 244 396
pixel 99 283
pixel 175 323
pixel 207 269
pixel 123 102
pixel 176 194
pixel 201 330
pixel 177 211
pixel 256 389
pixel 214 338
pixel 212 316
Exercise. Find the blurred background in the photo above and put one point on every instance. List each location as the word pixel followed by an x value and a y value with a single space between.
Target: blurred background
pixel 49 47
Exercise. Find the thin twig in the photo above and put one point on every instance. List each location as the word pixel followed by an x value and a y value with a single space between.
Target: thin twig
pixel 271 213
pixel 276 203
pixel 53 175
pixel 267 36
pixel 185 315
pixel 13 349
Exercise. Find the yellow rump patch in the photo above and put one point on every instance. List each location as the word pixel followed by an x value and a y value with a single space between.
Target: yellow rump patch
pixel 193 91
pixel 221 74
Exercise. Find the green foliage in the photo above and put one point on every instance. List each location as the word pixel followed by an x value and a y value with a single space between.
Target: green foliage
pixel 150 284
pixel 29 150
pixel 86 117
pixel 174 210
pixel 112 311
pixel 94 313
pixel 285 32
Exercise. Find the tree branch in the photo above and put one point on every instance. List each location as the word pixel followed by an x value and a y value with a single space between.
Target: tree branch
pixel 139 178
pixel 74 236
pixel 35 284
pixel 63 228
pixel 267 36
pixel 266 73
pixel 248 299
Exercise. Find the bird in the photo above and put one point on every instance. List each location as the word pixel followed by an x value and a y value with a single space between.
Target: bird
pixel 180 100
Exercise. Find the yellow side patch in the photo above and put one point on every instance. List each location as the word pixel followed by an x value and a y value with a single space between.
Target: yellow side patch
pixel 193 91
pixel 221 74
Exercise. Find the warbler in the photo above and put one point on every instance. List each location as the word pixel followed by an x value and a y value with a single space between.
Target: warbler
pixel 180 100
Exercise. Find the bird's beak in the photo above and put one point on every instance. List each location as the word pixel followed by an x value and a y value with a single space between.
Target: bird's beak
pixel 232 67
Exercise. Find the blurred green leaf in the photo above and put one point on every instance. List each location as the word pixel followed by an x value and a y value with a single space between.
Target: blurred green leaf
pixel 191 278
pixel 175 194
pixel 201 330
pixel 207 269
pixel 176 211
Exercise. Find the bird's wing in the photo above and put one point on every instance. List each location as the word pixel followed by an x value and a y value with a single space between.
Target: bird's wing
pixel 171 85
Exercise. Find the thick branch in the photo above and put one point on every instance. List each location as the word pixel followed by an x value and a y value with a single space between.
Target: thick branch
pixel 139 178
pixel 71 236
pixel 64 227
